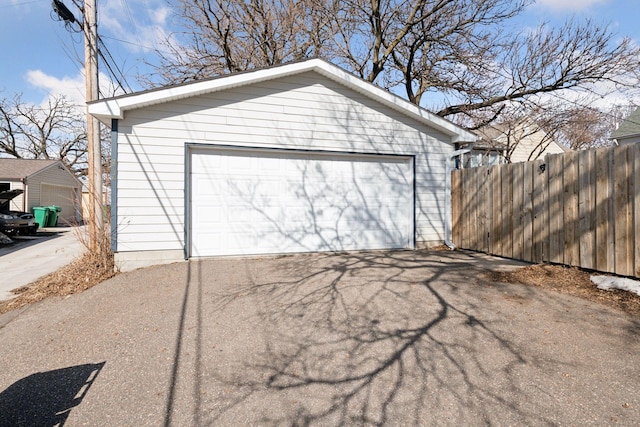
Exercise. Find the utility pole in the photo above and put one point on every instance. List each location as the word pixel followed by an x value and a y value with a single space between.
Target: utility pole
pixel 90 27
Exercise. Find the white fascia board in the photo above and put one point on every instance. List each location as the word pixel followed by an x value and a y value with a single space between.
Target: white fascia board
pixel 115 108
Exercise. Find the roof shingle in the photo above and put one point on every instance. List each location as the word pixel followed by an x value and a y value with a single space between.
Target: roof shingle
pixel 22 168
pixel 629 127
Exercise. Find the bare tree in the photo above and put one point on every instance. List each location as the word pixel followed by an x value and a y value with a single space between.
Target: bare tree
pixel 223 37
pixel 468 50
pixel 55 130
pixel 529 131
pixel 582 127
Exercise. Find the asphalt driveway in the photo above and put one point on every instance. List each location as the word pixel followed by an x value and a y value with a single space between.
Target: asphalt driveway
pixel 400 338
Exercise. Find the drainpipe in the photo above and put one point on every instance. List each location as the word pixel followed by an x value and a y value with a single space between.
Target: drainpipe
pixel 449 167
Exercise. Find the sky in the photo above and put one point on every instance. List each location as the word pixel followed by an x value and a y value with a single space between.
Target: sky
pixel 41 57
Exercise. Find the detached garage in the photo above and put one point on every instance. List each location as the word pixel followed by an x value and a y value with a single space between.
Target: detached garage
pixel 297 158
pixel 44 183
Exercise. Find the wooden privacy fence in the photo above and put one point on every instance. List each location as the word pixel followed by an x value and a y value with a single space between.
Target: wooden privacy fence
pixel 579 208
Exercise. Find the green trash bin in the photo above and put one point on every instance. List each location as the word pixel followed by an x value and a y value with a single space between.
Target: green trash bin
pixel 42 215
pixel 52 221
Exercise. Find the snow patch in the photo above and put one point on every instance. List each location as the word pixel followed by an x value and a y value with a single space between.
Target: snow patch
pixel 611 282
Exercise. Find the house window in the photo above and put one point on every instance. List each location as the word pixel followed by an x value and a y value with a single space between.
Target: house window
pixel 5 186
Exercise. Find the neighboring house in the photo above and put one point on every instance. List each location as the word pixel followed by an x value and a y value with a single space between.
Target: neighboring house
pixel 296 158
pixel 45 183
pixel 629 130
pixel 518 142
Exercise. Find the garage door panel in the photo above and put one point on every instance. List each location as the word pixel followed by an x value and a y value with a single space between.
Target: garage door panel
pixel 63 197
pixel 278 202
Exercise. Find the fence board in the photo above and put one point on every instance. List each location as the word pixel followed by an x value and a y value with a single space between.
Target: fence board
pixel 586 211
pixel 507 211
pixel 456 228
pixel 538 177
pixel 518 188
pixel 482 209
pixel 496 212
pixel 556 214
pixel 571 218
pixel 465 211
pixel 580 208
pixel 622 229
pixel 473 211
pixel 635 194
pixel 603 261
pixel 527 214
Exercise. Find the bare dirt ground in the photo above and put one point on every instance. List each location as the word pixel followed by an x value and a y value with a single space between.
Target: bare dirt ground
pixel 570 281
pixel 83 273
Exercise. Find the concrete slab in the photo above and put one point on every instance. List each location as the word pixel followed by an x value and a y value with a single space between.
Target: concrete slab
pixel 31 257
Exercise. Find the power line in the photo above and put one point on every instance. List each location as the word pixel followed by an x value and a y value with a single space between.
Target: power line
pixel 134 44
pixel 4 6
pixel 70 20
pixel 115 65
pixel 130 16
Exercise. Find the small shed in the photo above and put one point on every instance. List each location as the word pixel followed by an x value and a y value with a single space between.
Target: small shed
pixel 44 183
pixel 301 157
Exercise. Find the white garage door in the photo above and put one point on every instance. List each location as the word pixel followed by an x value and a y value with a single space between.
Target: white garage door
pixel 268 201
pixel 64 197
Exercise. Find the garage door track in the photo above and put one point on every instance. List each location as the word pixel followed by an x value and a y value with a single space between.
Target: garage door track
pixel 375 338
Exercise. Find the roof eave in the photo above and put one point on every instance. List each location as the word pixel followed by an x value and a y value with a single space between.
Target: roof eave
pixel 115 108
pixel 625 136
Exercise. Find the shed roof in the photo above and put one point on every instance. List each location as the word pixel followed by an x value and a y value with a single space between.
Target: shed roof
pixel 629 127
pixel 115 108
pixel 23 168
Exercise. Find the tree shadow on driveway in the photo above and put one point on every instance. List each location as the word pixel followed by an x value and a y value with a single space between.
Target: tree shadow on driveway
pixel 368 339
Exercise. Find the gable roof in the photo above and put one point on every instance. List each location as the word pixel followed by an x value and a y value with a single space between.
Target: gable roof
pixel 115 108
pixel 629 127
pixel 23 168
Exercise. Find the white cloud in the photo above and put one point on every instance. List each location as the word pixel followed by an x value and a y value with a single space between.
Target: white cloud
pixel 603 96
pixel 73 88
pixel 568 5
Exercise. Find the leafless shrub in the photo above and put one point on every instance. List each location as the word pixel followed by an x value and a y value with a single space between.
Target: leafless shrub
pixel 91 268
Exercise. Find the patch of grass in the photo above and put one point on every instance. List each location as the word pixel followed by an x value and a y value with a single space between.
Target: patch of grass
pixel 571 281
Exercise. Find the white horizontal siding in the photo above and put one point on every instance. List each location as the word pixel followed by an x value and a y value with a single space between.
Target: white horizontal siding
pixel 305 112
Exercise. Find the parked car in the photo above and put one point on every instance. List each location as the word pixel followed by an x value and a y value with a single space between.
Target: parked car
pixel 15 222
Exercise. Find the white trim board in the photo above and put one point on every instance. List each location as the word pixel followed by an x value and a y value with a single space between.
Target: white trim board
pixel 115 108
